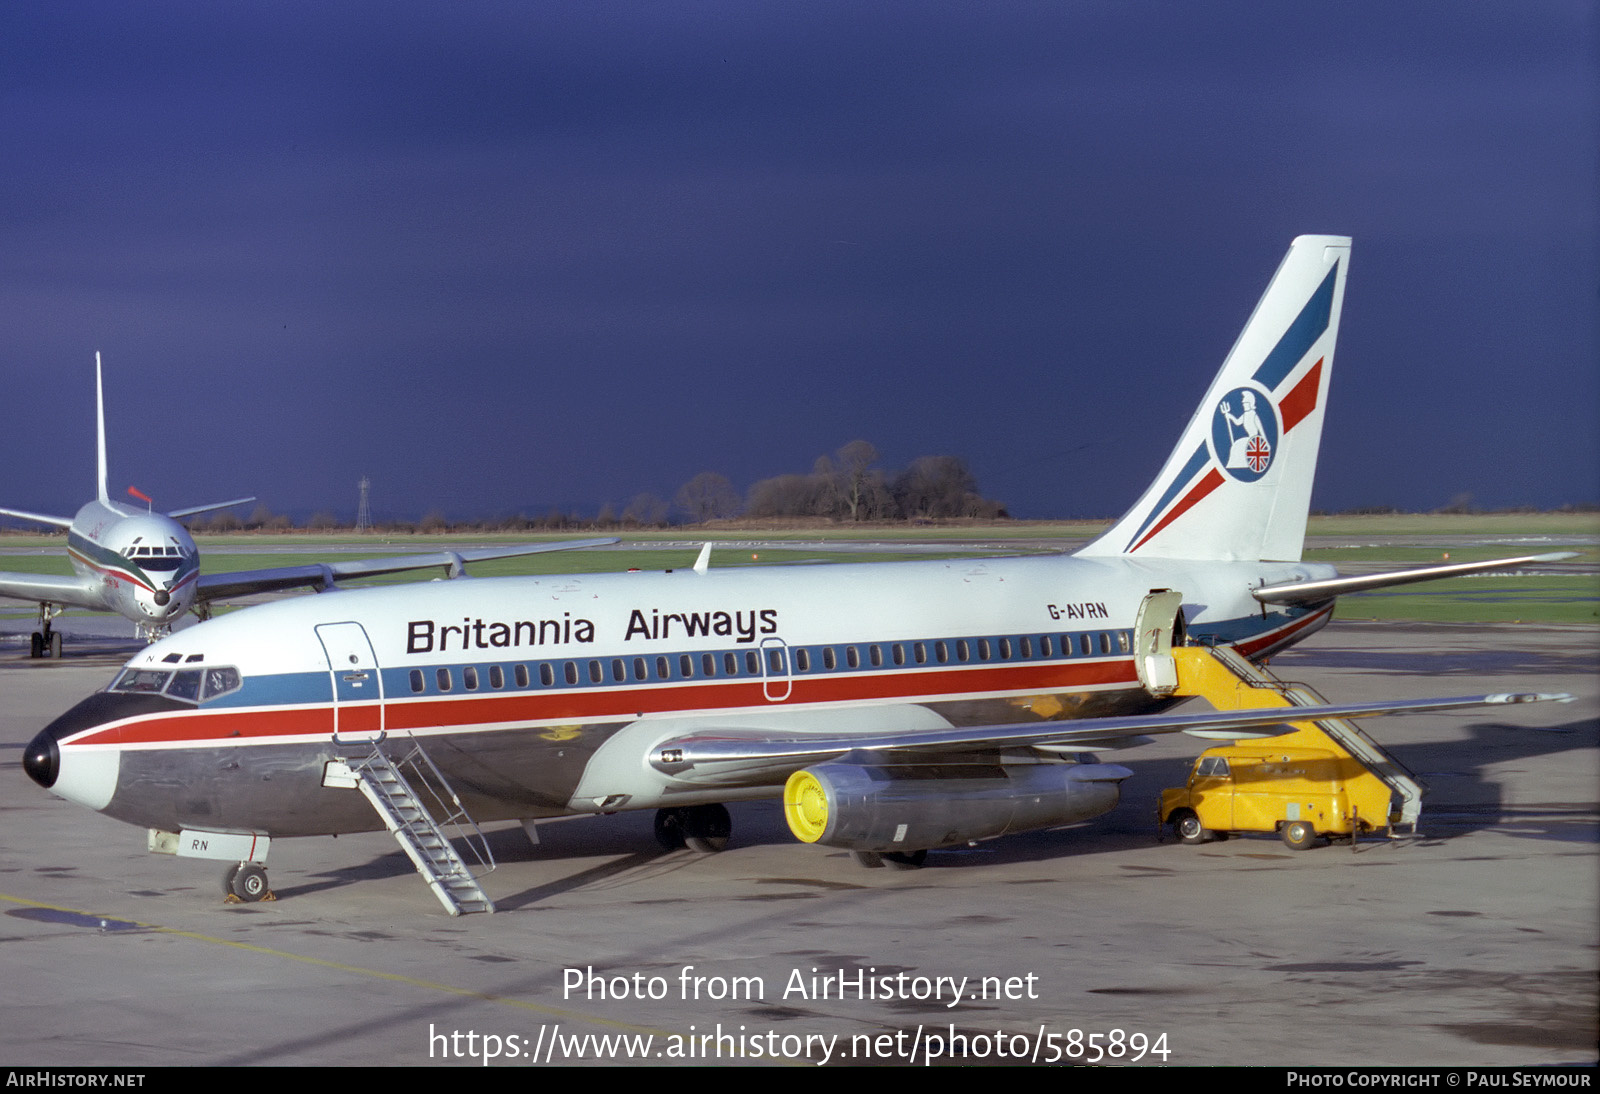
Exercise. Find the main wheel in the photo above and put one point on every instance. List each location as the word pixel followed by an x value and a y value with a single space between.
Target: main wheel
pixel 706 828
pixel 1187 824
pixel 36 645
pixel 1299 835
pixel 250 883
pixel 905 860
pixel 227 878
pixel 53 645
pixel 669 829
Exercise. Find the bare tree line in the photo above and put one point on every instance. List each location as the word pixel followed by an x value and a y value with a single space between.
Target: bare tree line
pixel 846 485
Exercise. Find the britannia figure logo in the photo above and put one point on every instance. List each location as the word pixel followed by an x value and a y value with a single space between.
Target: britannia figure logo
pixel 1244 434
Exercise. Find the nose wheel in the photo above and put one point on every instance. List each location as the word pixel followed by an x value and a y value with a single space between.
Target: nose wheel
pixel 246 883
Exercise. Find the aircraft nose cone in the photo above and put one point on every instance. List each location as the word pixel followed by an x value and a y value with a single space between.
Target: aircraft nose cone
pixel 42 760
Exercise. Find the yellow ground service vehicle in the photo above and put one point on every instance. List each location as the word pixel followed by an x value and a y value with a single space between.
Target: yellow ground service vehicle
pixel 1324 779
pixel 1276 786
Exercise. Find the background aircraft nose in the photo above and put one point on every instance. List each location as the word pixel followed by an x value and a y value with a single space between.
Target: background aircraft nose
pixel 42 760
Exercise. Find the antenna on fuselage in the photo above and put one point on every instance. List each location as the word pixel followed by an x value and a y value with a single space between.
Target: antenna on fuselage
pixel 100 426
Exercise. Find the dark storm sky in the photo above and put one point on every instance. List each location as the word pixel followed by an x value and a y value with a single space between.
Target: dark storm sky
pixel 500 256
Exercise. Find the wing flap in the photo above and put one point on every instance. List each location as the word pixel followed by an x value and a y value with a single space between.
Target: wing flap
pixel 749 757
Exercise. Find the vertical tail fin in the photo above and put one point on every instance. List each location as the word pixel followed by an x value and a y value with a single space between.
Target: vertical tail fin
pixel 1238 485
pixel 100 429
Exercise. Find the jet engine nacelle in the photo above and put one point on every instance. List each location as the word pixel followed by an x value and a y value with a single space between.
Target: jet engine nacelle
pixel 913 808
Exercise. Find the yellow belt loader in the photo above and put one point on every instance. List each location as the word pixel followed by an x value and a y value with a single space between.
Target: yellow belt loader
pixel 1324 779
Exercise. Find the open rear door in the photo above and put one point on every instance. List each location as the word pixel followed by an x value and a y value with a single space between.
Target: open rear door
pixel 1152 641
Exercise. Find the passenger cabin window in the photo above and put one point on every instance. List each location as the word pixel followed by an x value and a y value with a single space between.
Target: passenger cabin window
pixel 416 680
pixel 469 678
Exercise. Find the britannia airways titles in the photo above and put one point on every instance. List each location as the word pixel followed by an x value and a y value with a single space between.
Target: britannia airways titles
pixel 428 636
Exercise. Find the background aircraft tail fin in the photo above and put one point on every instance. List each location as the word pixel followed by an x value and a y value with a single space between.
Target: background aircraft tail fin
pixel 100 430
pixel 1238 484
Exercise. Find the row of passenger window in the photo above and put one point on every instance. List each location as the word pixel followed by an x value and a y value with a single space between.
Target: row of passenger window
pixel 748 663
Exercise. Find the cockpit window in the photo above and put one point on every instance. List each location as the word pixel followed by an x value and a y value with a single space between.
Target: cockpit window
pixel 220 681
pixel 141 681
pixel 185 685
pixel 189 685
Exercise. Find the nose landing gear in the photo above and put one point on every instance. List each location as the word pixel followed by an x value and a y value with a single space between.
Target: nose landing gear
pixel 246 883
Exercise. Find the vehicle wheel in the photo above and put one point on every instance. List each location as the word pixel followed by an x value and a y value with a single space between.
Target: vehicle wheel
pixel 870 860
pixel 706 828
pixel 669 829
pixel 905 860
pixel 36 645
pixel 54 645
pixel 1187 824
pixel 227 878
pixel 1299 834
pixel 250 883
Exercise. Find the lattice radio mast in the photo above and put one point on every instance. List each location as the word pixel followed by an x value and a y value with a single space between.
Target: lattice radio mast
pixel 364 510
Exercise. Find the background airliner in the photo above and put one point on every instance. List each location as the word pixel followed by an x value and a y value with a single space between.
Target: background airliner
pixel 896 707
pixel 143 565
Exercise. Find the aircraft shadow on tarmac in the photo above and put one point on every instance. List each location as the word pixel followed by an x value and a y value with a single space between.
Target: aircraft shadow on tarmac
pixel 1465 799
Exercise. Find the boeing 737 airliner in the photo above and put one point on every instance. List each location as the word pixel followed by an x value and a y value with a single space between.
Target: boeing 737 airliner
pixel 905 706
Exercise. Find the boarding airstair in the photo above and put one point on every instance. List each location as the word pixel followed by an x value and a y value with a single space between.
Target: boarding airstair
pixel 419 831
pixel 1231 682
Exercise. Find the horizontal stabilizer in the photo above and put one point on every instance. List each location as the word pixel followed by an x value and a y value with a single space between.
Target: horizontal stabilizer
pixel 748 758
pixel 326 574
pixel 179 514
pixel 23 514
pixel 1314 592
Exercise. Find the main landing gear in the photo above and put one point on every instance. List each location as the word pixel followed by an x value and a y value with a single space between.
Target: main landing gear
pixel 44 642
pixel 245 883
pixel 701 828
pixel 895 860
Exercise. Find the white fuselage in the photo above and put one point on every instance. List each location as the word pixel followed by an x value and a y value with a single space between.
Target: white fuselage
pixel 544 695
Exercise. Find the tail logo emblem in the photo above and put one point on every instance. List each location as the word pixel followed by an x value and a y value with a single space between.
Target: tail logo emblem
pixel 1244 442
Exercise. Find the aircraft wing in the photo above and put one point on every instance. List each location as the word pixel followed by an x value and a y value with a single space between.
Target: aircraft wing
pixel 324 575
pixel 50 589
pixel 748 758
pixel 41 518
pixel 1312 592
